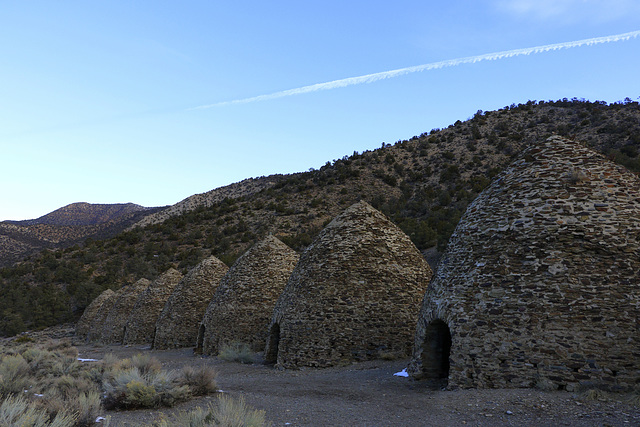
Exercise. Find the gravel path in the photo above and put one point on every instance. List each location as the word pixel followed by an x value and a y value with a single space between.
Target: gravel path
pixel 368 394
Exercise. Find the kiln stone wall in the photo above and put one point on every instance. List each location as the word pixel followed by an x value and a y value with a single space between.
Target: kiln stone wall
pixel 141 324
pixel 84 324
pixel 97 324
pixel 540 281
pixel 113 327
pixel 354 295
pixel 180 319
pixel 241 308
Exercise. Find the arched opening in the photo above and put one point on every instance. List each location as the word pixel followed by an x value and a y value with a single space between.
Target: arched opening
pixel 200 340
pixel 153 338
pixel 271 352
pixel 435 351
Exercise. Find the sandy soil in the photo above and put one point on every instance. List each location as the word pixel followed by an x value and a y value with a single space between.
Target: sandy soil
pixel 368 394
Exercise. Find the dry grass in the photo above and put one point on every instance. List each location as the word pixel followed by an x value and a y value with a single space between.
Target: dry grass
pixel 54 385
pixel 17 411
pixel 545 384
pixel 201 381
pixel 225 412
pixel 14 371
pixel 140 382
pixel 237 352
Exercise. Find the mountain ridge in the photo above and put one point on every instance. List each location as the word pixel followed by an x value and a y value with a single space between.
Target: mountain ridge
pixel 84 213
pixel 65 227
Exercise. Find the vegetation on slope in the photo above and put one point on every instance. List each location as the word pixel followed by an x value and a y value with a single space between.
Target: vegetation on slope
pixel 64 227
pixel 48 382
pixel 423 184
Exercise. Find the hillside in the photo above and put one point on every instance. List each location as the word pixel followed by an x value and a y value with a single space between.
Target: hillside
pixel 85 214
pixel 244 188
pixel 64 227
pixel 423 184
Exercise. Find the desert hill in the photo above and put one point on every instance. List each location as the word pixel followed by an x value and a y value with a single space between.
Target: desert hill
pixel 85 214
pixel 244 188
pixel 423 184
pixel 64 227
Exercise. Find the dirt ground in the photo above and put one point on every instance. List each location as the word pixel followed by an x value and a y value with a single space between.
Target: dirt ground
pixel 368 394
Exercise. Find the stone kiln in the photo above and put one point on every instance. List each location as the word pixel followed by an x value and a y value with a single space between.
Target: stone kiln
pixel 113 327
pixel 540 281
pixel 354 295
pixel 95 329
pixel 84 324
pixel 178 323
pixel 242 306
pixel 141 324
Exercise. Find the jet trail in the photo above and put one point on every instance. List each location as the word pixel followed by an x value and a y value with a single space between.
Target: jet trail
pixel 370 78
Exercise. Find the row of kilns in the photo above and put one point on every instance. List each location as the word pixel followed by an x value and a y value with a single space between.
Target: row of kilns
pixel 540 282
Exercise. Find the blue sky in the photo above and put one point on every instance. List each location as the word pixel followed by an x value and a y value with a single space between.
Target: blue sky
pixel 98 100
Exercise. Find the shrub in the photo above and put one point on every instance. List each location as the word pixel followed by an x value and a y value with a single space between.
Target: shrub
pixel 146 363
pixel 13 375
pixel 139 394
pixel 130 389
pixel 65 366
pixel 225 412
pixel 201 381
pixel 236 352
pixel 594 394
pixel 23 339
pixel 85 406
pixel 16 411
pixel 38 358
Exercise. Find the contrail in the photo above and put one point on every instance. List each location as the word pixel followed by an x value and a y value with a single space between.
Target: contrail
pixel 370 78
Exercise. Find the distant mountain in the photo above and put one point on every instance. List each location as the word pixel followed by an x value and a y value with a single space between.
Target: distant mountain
pixel 85 214
pixel 65 227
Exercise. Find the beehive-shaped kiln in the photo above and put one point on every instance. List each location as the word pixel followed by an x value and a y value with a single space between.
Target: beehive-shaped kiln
pixel 94 334
pixel 181 316
pixel 540 281
pixel 84 324
pixel 242 305
pixel 354 295
pixel 141 325
pixel 113 327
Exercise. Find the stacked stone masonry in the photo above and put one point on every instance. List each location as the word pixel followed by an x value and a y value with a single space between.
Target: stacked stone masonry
pixel 113 326
pixel 181 316
pixel 141 325
pixel 354 295
pixel 540 281
pixel 95 330
pixel 241 308
pixel 84 324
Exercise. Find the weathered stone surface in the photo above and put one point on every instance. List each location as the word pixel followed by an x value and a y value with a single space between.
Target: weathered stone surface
pixel 84 324
pixel 95 330
pixel 241 308
pixel 113 327
pixel 540 281
pixel 141 325
pixel 354 295
pixel 181 316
